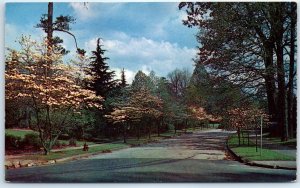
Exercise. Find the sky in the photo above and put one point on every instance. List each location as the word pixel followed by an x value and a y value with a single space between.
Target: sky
pixel 137 36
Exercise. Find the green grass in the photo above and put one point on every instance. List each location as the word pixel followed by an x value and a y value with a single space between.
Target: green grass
pixel 70 153
pixel 78 143
pixel 17 132
pixel 290 143
pixel 267 155
pixel 250 153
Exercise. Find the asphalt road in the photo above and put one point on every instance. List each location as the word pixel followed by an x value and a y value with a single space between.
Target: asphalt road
pixel 198 157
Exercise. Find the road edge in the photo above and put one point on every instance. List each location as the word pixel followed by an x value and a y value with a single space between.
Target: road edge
pixel 251 163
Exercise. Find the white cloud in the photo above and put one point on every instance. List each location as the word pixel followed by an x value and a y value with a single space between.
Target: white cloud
pixel 83 10
pixel 144 54
pixel 129 75
pixel 92 10
pixel 14 32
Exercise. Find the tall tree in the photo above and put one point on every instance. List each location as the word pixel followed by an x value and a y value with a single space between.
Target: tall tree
pixel 238 41
pixel 290 94
pixel 102 79
pixel 140 81
pixel 60 24
pixel 179 80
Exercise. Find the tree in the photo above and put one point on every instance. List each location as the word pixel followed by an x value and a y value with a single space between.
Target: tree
pixel 140 81
pixel 238 41
pixel 61 24
pixel 123 79
pixel 246 118
pixel 53 94
pixel 141 107
pixel 102 81
pixel 179 80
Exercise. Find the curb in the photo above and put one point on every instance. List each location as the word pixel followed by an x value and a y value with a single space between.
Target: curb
pixel 251 163
pixel 61 160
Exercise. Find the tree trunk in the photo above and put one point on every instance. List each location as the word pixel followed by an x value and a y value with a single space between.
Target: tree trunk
pixel 139 131
pixel 239 136
pixel 150 127
pixel 269 79
pixel 280 74
pixel 291 71
pixel 50 24
pixel 46 151
pixel 124 132
pixel 158 122
pixel 175 128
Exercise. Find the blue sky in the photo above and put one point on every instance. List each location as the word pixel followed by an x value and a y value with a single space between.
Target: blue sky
pixel 137 36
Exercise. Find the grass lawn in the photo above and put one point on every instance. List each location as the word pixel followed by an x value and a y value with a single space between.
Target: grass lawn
pixel 68 153
pixel 250 153
pixel 267 155
pixel 78 143
pixel 290 143
pixel 18 132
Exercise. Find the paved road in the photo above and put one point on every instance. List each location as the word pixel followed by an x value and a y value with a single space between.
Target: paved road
pixel 198 157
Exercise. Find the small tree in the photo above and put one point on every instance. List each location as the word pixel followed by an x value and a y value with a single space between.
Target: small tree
pixel 245 118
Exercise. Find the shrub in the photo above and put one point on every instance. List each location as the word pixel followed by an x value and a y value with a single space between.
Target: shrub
pixel 57 143
pixel 64 137
pixel 32 140
pixel 72 142
pixel 12 142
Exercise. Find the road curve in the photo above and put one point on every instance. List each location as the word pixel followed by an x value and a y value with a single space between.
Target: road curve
pixel 197 157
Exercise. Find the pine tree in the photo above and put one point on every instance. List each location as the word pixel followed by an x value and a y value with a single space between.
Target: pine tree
pixel 102 81
pixel 123 79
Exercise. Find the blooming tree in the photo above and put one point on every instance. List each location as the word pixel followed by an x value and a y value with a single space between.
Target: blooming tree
pixel 141 106
pixel 246 118
pixel 50 88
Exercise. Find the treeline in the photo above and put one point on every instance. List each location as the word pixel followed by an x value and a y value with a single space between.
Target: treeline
pixel 84 100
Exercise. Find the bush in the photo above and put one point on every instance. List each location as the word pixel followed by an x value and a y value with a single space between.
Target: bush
pixel 64 137
pixel 12 142
pixel 57 143
pixel 32 140
pixel 72 142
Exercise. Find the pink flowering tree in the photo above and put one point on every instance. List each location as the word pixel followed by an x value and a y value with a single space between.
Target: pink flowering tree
pixel 50 88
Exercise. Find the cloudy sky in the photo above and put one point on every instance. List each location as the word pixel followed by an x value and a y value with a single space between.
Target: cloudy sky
pixel 137 36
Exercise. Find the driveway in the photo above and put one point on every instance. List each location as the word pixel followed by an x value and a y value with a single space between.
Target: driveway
pixel 197 157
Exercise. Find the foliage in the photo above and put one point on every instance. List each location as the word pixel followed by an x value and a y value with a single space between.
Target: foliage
pixel 72 142
pixel 179 81
pixel 33 140
pixel 140 81
pixel 101 80
pixel 246 118
pixel 239 40
pixel 12 142
pixel 44 80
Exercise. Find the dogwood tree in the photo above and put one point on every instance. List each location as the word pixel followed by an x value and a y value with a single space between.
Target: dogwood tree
pixel 246 118
pixel 50 88
pixel 141 106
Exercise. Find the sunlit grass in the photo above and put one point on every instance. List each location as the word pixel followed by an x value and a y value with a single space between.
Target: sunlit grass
pixel 250 153
pixel 253 154
pixel 18 132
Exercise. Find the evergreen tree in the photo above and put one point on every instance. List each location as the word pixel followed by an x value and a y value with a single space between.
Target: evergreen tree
pixel 123 79
pixel 102 81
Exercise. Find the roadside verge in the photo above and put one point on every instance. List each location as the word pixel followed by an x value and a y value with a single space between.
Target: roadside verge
pixel 279 163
